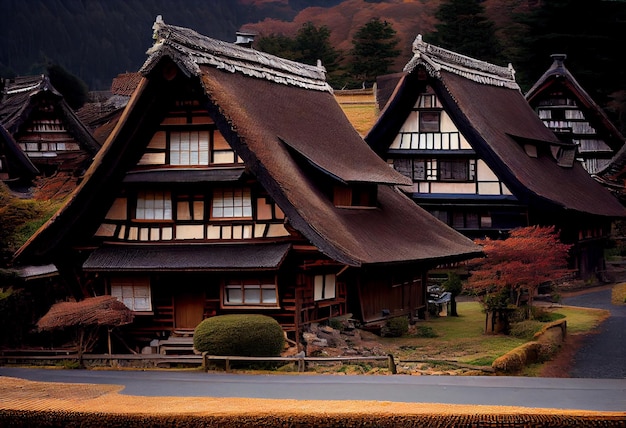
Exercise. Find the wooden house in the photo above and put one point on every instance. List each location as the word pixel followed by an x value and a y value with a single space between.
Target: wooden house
pixel 482 161
pixel 233 183
pixel 45 128
pixel 568 110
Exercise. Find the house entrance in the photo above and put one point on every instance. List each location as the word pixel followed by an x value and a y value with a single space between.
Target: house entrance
pixel 188 309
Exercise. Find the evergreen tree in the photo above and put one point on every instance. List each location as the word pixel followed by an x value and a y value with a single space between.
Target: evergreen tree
pixel 277 44
pixel 313 43
pixel 374 51
pixel 591 34
pixel 74 90
pixel 463 28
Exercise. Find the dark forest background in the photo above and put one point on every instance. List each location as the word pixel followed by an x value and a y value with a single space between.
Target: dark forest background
pixel 97 39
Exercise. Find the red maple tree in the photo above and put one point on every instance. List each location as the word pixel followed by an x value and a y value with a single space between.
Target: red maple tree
pixel 529 257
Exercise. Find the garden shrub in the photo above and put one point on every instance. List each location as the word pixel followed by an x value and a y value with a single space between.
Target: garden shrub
pixel 540 314
pixel 395 327
pixel 425 331
pixel 525 329
pixel 240 335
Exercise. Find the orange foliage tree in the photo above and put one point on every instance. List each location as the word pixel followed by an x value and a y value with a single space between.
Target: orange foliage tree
pixel 529 257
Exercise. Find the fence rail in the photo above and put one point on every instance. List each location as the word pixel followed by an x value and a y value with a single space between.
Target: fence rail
pixel 301 361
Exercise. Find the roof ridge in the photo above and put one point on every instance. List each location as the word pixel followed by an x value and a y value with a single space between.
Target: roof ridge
pixel 190 50
pixel 436 58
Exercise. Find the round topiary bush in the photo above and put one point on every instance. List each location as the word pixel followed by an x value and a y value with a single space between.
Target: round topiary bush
pixel 241 335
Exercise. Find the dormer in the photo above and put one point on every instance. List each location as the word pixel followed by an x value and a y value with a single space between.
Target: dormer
pixel 355 195
pixel 563 153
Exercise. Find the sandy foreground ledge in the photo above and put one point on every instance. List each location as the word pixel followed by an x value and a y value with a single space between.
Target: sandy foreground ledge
pixel 24 402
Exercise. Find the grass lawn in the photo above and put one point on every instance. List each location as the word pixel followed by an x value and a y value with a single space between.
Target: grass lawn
pixel 462 338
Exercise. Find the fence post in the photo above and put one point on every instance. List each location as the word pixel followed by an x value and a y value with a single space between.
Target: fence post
pixel 392 364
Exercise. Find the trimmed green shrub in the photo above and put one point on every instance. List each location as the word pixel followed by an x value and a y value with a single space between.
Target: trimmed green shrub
pixel 395 327
pixel 240 335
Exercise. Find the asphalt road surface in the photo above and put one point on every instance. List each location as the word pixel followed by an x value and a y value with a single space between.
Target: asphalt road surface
pixel 602 355
pixel 556 393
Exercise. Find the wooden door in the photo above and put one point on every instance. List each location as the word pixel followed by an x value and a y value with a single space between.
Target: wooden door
pixel 188 309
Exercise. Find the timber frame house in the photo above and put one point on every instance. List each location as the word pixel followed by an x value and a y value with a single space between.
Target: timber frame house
pixel 233 183
pixel 45 127
pixel 482 161
pixel 568 110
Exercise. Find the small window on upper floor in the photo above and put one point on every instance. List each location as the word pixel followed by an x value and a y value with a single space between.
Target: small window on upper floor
pixel 457 169
pixel 231 203
pixel 153 205
pixel 189 147
pixel 355 195
pixel 429 121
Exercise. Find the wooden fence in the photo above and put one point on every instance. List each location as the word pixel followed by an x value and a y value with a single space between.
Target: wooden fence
pixel 300 361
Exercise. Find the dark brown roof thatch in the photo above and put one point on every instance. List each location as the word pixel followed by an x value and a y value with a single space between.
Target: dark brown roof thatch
pixel 485 102
pixel 93 311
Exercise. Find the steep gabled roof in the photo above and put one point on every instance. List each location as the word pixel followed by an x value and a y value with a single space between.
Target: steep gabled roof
pixel 282 119
pixel 19 160
pixel 559 77
pixel 16 106
pixel 485 103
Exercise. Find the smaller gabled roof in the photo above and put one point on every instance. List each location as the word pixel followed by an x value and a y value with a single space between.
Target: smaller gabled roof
pixel 16 106
pixel 486 104
pixel 191 258
pixel 559 75
pixel 15 154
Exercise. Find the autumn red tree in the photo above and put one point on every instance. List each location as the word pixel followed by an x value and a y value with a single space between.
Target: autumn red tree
pixel 529 257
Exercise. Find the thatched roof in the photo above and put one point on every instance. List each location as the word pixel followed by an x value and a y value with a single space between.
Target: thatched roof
pixel 93 311
pixel 282 119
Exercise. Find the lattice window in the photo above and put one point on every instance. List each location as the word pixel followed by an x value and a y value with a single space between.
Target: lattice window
pixel 254 292
pixel 231 203
pixel 189 148
pixel 152 205
pixel 133 292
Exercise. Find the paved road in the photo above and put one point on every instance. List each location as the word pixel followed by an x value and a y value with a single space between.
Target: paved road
pixel 575 394
pixel 602 355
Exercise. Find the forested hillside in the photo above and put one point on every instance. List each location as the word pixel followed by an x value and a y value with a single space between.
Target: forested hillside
pixel 98 39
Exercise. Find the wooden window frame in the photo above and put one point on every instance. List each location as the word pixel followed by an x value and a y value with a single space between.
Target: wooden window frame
pixel 469 173
pixel 251 286
pixel 245 208
pixel 322 286
pixel 130 290
pixel 142 207
pixel 198 146
pixel 427 122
